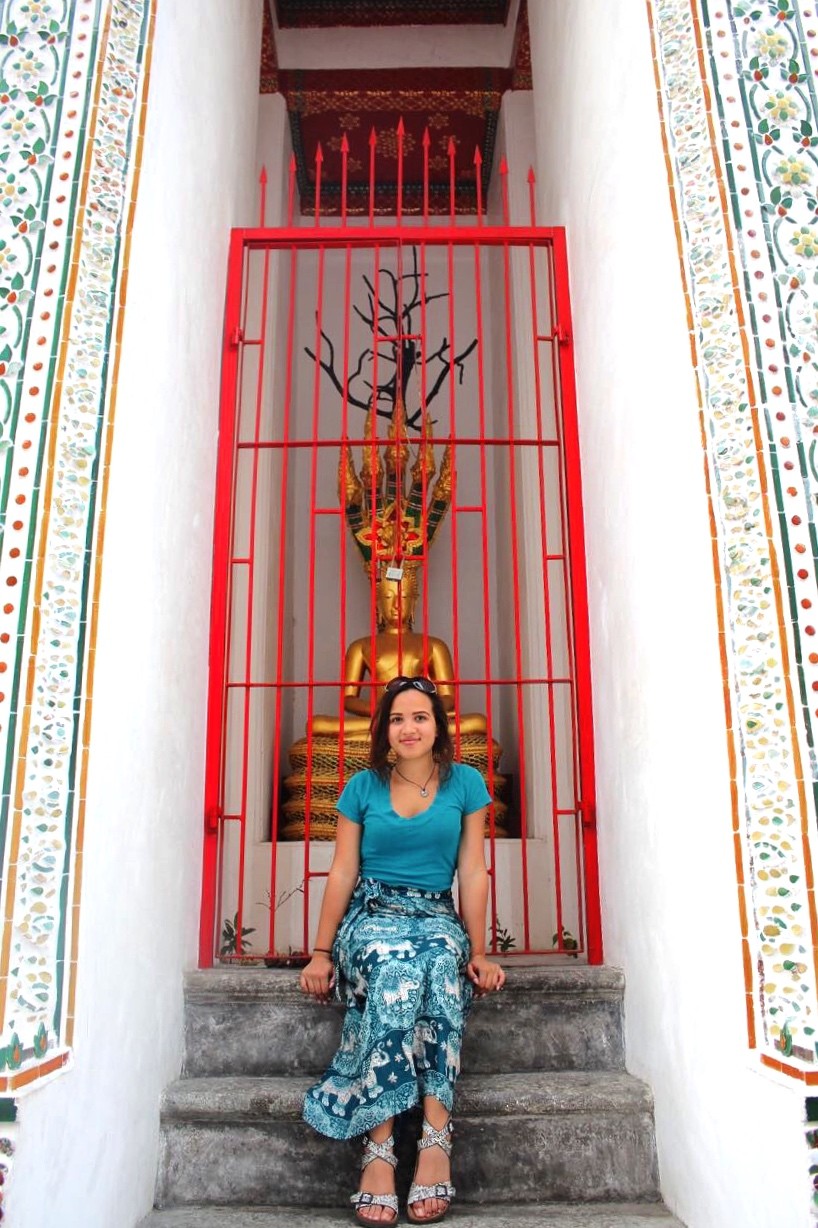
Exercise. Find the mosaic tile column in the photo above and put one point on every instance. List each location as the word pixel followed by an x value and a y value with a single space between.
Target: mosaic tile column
pixel 737 97
pixel 73 76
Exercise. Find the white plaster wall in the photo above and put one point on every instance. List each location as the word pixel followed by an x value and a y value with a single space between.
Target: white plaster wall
pixel 731 1144
pixel 88 1142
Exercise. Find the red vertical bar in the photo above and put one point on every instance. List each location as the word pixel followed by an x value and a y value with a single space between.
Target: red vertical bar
pixel 373 485
pixel 219 601
pixel 251 570
pixel 549 653
pixel 282 574
pixel 481 393
pixel 316 404
pixel 424 422
pixel 515 559
pixel 582 649
pixel 453 435
pixel 342 596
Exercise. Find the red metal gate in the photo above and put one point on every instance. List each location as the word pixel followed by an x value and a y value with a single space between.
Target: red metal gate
pixel 354 349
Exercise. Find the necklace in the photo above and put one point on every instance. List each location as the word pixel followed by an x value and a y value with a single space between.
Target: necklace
pixel 424 791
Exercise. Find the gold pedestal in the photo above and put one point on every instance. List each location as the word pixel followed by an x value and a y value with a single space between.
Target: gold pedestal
pixel 324 781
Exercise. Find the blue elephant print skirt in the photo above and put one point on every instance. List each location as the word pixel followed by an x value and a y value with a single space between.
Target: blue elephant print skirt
pixel 400 957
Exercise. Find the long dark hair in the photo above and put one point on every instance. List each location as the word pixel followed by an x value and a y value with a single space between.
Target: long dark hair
pixel 379 748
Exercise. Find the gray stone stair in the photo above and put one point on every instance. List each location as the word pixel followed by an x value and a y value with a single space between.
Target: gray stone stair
pixel 540 1215
pixel 256 1021
pixel 544 1135
pixel 545 1111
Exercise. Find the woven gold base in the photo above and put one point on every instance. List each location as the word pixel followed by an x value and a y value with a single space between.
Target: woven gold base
pixel 324 759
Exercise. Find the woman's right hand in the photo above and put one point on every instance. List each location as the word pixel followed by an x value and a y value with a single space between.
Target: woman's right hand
pixel 318 978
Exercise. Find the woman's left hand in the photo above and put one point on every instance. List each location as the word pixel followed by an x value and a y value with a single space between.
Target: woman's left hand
pixel 486 974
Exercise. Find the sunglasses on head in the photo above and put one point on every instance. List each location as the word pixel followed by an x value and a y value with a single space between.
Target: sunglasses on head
pixel 402 683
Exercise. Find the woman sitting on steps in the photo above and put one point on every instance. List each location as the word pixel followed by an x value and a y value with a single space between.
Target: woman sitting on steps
pixel 393 948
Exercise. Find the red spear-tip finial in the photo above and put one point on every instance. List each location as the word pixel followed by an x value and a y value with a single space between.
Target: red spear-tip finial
pixel 373 141
pixel 291 190
pixel 504 186
pixel 532 198
pixel 319 161
pixel 426 142
pixel 401 132
pixel 344 160
pixel 262 196
pixel 451 150
pixel 478 183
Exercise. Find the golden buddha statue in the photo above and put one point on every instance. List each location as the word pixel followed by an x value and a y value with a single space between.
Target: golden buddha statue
pixel 393 530
pixel 395 649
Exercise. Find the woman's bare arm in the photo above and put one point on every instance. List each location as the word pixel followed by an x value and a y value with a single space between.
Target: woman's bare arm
pixel 317 978
pixel 473 890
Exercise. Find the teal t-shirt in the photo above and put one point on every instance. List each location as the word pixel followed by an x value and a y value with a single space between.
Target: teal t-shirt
pixel 417 852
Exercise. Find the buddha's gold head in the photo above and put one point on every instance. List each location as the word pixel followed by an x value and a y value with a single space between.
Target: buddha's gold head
pixel 396 600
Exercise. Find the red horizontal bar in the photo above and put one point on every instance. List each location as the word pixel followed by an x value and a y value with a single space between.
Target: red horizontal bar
pixel 448 682
pixel 470 440
pixel 478 508
pixel 392 236
pixel 239 560
pixel 252 341
pixel 327 511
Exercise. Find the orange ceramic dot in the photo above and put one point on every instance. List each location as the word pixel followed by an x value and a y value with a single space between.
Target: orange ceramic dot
pixel 18 524
pixel 15 553
pixel 23 472
pixel 802 573
pixel 11 581
pixel 5 637
pixel 785 442
pixel 813 656
pixel 777 391
pixel 800 548
pixel 20 499
pixel 809 630
pixel 30 417
pixel 33 392
pixel 806 603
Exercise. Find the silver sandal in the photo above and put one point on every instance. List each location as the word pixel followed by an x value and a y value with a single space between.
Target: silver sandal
pixel 443 1189
pixel 376 1151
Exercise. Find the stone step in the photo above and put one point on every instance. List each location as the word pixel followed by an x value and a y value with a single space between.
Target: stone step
pixel 535 1135
pixel 256 1021
pixel 488 1215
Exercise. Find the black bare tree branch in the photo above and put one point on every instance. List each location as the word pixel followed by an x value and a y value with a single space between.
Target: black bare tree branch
pixel 329 367
pixel 395 320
